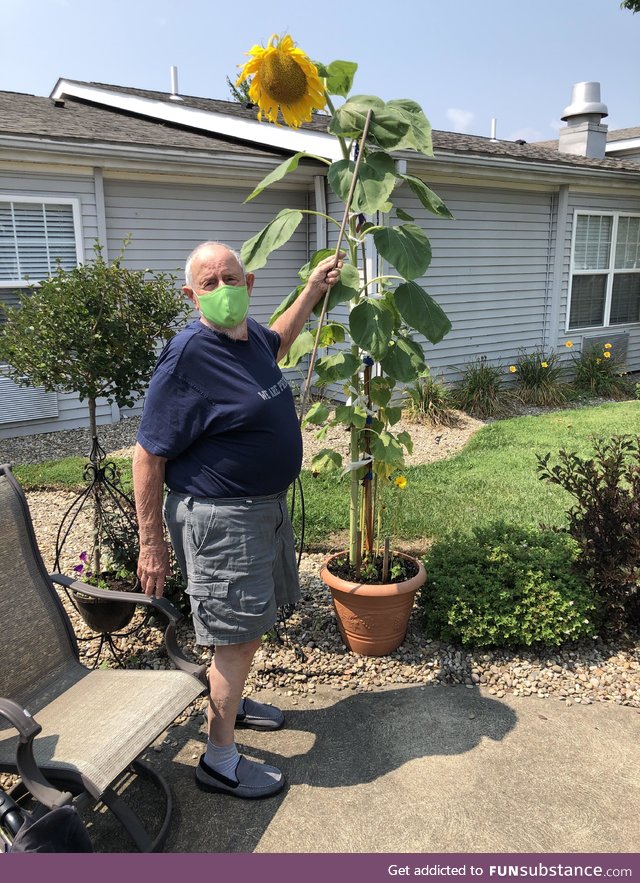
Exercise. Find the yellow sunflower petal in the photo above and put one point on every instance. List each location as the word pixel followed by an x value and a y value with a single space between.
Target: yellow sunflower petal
pixel 283 80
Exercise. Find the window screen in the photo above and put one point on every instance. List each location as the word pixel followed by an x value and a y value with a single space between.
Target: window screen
pixel 625 300
pixel 587 301
pixel 593 242
pixel 33 237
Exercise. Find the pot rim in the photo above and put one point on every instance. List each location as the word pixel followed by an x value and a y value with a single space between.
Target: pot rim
pixel 374 589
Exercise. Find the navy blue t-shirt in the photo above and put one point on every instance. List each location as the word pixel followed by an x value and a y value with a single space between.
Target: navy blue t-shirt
pixel 223 415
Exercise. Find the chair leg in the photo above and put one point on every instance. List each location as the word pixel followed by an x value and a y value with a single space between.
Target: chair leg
pixel 128 818
pixel 120 809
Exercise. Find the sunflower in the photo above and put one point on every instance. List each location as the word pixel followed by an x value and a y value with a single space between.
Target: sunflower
pixel 283 79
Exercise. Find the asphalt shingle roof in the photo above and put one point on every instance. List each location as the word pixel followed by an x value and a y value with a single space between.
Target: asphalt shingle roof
pixel 31 115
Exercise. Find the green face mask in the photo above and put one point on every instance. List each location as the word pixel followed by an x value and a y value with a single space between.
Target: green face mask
pixel 227 306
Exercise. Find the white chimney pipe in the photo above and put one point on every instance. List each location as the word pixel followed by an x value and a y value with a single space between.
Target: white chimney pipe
pixel 494 125
pixel 174 84
pixel 585 134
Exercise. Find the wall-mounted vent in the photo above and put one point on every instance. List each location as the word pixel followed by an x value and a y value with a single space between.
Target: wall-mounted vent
pixel 619 344
pixel 19 403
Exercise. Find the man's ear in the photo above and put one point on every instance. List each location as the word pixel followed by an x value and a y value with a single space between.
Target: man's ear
pixel 250 279
pixel 193 297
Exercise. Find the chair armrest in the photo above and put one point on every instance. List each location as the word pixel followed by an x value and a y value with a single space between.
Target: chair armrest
pixel 28 728
pixel 161 605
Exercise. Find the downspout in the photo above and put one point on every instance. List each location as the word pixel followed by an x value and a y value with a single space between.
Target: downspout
pixel 562 220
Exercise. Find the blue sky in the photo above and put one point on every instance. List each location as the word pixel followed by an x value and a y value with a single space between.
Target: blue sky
pixel 465 61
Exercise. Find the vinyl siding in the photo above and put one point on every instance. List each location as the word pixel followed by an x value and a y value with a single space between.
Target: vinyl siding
pixel 490 271
pixel 166 221
pixel 71 412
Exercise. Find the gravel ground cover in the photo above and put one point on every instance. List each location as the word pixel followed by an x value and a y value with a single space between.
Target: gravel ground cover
pixel 310 651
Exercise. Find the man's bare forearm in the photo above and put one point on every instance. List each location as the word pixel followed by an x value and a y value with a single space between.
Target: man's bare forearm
pixel 148 488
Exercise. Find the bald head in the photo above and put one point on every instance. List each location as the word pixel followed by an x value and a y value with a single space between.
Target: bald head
pixel 203 250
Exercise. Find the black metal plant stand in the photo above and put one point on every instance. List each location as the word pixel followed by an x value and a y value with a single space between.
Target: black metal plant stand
pixel 112 508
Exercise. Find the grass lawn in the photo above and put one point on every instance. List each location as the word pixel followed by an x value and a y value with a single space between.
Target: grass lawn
pixel 493 477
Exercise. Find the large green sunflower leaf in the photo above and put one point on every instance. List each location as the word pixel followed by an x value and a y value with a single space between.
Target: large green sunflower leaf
pixel 301 346
pixel 351 415
pixel 418 134
pixel 339 76
pixel 404 216
pixel 343 291
pixel 331 333
pixel 336 367
pixel 289 165
pixel 326 460
pixel 286 303
pixel 385 447
pixel 255 251
pixel 380 390
pixel 420 311
pixel 404 360
pixel 427 197
pixel 371 326
pixel 317 414
pixel 376 180
pixel 349 118
pixel 406 248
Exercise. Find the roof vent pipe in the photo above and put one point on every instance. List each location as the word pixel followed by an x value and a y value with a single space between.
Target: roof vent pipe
pixel 584 134
pixel 494 124
pixel 174 84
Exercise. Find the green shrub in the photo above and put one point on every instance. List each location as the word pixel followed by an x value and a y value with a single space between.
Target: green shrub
pixel 506 585
pixel 539 378
pixel 605 522
pixel 600 373
pixel 480 391
pixel 430 400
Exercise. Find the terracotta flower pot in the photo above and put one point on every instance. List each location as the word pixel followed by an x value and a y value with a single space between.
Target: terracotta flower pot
pixel 373 619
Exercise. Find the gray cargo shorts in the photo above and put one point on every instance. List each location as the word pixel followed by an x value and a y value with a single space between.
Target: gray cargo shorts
pixel 238 559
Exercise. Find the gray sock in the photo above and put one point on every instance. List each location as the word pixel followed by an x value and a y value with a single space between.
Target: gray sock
pixel 223 760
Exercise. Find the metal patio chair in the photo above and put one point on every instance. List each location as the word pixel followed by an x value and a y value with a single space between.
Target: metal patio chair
pixel 79 730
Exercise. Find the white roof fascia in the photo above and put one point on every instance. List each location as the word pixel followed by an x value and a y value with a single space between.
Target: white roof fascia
pixel 252 131
pixel 525 168
pixel 138 153
pixel 624 144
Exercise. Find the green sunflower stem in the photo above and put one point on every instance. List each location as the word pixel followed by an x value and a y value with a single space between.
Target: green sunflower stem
pixel 343 143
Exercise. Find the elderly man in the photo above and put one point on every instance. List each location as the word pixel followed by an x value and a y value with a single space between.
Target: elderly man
pixel 220 429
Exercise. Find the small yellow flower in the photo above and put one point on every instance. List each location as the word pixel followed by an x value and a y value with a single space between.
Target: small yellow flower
pixel 513 369
pixel 401 482
pixel 607 346
pixel 607 355
pixel 544 364
pixel 283 78
pixel 598 361
pixel 568 344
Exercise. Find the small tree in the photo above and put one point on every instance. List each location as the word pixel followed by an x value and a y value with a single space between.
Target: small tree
pixel 92 330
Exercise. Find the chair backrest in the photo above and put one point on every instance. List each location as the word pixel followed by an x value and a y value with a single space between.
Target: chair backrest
pixel 36 637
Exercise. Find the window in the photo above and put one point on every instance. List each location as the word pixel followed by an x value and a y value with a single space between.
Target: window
pixel 605 271
pixel 35 236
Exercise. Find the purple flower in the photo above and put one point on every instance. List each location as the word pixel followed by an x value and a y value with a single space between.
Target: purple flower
pixel 84 557
pixel 78 568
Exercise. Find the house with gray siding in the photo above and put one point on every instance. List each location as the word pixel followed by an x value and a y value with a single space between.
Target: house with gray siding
pixel 544 245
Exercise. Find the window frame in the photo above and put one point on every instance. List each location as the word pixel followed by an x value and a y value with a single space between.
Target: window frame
pixel 47 200
pixel 610 273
